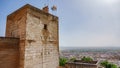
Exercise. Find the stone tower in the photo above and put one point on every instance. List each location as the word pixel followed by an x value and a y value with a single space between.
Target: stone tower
pixel 38 33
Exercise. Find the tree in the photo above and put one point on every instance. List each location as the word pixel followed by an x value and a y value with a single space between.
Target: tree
pixel 113 66
pixel 106 64
pixel 62 61
pixel 87 59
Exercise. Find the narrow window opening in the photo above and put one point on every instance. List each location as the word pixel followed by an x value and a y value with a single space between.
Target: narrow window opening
pixel 48 52
pixel 45 26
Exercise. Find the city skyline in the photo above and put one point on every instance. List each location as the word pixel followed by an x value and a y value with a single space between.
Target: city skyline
pixel 83 23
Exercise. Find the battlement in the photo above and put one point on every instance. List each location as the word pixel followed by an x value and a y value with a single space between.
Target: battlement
pixel 25 9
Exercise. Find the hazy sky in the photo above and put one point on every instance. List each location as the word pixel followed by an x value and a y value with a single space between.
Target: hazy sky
pixel 82 23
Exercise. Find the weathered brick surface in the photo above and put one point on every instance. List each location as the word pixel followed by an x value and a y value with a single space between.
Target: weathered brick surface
pixel 9 52
pixel 16 27
pixel 42 42
pixel 38 33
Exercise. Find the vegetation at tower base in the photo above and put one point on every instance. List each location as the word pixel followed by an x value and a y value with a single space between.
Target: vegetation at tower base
pixel 107 64
pixel 104 63
pixel 86 59
pixel 62 61
pixel 72 59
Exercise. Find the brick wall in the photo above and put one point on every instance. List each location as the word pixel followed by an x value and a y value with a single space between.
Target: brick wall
pixel 41 47
pixel 9 52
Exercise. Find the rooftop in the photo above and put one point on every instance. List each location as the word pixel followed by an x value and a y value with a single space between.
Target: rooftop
pixel 28 6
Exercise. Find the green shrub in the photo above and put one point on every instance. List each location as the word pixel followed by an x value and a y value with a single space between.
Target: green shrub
pixel 106 64
pixel 62 61
pixel 87 59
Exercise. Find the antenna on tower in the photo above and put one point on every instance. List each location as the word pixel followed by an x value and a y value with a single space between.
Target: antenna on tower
pixel 53 8
pixel 46 7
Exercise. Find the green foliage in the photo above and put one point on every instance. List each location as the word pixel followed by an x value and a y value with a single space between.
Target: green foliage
pixel 62 61
pixel 73 59
pixel 86 59
pixel 113 66
pixel 106 64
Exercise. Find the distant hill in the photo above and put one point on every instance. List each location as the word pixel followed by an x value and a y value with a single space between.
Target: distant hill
pixel 91 48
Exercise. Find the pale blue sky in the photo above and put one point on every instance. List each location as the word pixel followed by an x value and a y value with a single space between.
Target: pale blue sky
pixel 82 23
